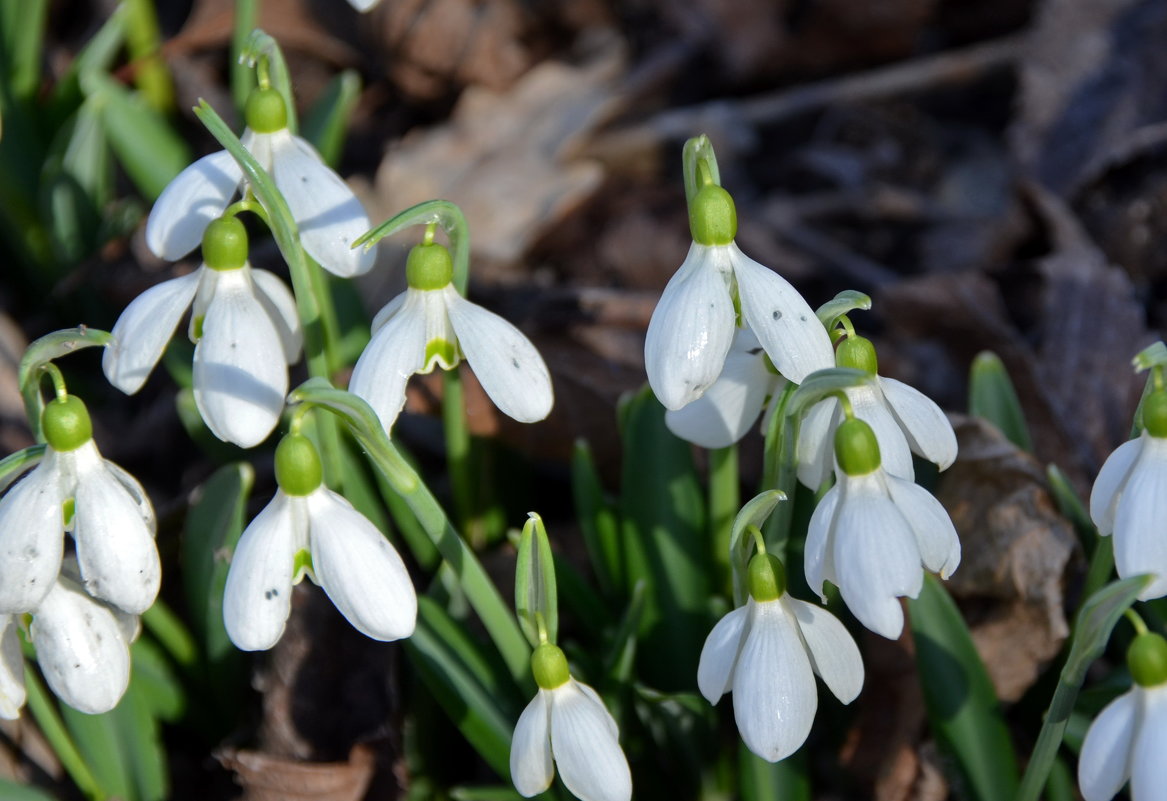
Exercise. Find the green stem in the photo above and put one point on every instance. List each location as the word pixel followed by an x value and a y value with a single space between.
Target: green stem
pixel 458 451
pixel 724 503
pixel 40 354
pixel 1049 740
pixel 780 471
pixel 1100 569
pixel 144 43
pixel 242 79
pixel 445 214
pixel 53 728
pixel 161 621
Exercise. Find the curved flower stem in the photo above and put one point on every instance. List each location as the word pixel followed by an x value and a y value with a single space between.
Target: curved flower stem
pixel 698 153
pixel 458 451
pixel 246 15
pixel 40 354
pixel 779 470
pixel 443 213
pixel 53 728
pixel 724 503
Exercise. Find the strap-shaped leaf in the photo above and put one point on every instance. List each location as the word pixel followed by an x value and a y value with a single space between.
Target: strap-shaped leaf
pixel 991 396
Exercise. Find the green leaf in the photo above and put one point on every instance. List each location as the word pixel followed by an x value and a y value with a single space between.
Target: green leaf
pixel 991 396
pixel 1071 507
pixel 597 519
pixel 823 384
pixel 11 791
pixel 22 35
pixel 480 793
pixel 97 739
pixel 845 302
pixel 664 533
pixel 326 125
pixel 786 780
pixel 536 599
pixel 622 645
pixel 37 356
pixel 754 513
pixel 471 691
pixel 962 705
pixel 161 692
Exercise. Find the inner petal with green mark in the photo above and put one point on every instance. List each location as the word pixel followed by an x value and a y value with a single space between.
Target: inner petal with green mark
pixel 302 566
pixel 441 342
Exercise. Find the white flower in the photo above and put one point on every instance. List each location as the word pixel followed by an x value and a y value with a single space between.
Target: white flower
pixel 111 520
pixel 872 535
pixel 694 323
pixel 247 333
pixel 363 5
pixel 570 724
pixel 354 563
pixel 904 420
pixel 328 214
pixel 768 653
pixel 1127 741
pixel 430 324
pixel 732 404
pixel 1130 499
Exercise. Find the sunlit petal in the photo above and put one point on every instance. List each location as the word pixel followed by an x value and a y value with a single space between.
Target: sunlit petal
pixel 1139 544
pixel 894 452
pixel 1111 478
pixel 187 205
pixel 816 448
pixel 277 299
pixel 31 537
pixel 935 535
pixel 143 330
pixel 1148 765
pixel 12 693
pixel 729 408
pixel 531 767
pixel 927 428
pixel 1105 762
pixel 834 656
pixel 591 762
pixel 819 554
pixel 395 353
pixel 719 654
pixel 258 595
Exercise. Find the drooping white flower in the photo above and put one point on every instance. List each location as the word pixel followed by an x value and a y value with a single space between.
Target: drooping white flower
pixel 873 534
pixel 1128 739
pixel 904 420
pixel 727 410
pixel 1129 499
pixel 327 213
pixel 309 529
pixel 692 327
pixel 74 489
pixel 768 653
pixel 567 725
pixel 246 329
pixel 430 324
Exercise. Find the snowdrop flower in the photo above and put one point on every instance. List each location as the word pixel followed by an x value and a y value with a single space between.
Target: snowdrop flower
pixel 768 652
pixel 904 420
pixel 692 327
pixel 75 489
pixel 724 414
pixel 567 722
pixel 328 214
pixel 1128 740
pixel 430 324
pixel 1129 499
pixel 309 529
pixel 246 329
pixel 873 534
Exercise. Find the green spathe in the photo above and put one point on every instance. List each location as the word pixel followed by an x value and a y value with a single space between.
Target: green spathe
pixel 856 448
pixel 767 579
pixel 266 111
pixel 225 244
pixel 857 352
pixel 1147 660
pixel 712 216
pixel 1155 413
pixel 298 468
pixel 549 666
pixel 429 266
pixel 66 423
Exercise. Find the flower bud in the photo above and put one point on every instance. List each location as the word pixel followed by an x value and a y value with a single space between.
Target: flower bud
pixel 1155 413
pixel 1147 660
pixel 856 448
pixel 429 267
pixel 712 216
pixel 66 423
pixel 549 666
pixel 225 244
pixel 298 469
pixel 767 577
pixel 858 353
pixel 266 111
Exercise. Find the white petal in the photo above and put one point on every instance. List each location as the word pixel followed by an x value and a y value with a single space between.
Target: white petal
pixel 876 556
pixel 1139 544
pixel 894 452
pixel 363 5
pixel 80 649
pixel 927 428
pixel 818 560
pixel 1148 760
pixel 816 447
pixel 935 535
pixel 395 352
pixel 785 324
pixel 1105 762
pixel 115 547
pixel 240 376
pixel 358 568
pixel 591 762
pixel 730 407
pixel 143 330
pixel 388 310
pixel 11 670
pixel 531 768
pixel 691 328
pixel 595 696
pixel 136 493
pixel 505 362
pixel 277 299
pixel 719 655
pixel 774 694
pixel 834 656
pixel 329 215
pixel 32 534
pixel 1111 478
pixel 258 595
pixel 189 203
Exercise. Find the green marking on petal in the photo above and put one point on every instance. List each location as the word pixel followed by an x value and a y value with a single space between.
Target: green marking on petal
pixel 302 566
pixel 443 352
pixel 770 368
pixel 68 510
pixel 198 327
